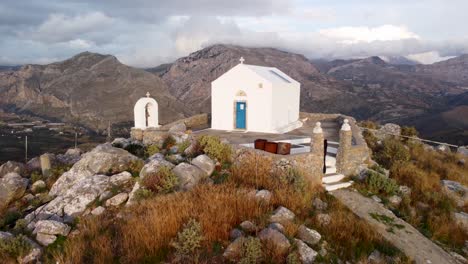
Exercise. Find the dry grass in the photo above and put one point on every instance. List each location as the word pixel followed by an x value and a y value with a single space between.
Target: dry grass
pixel 145 232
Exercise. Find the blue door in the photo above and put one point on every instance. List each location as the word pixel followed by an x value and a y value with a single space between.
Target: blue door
pixel 240 115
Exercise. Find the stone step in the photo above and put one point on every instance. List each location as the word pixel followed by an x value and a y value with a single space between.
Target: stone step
pixel 332 150
pixel 332 178
pixel 336 186
pixel 333 143
pixel 330 170
pixel 330 161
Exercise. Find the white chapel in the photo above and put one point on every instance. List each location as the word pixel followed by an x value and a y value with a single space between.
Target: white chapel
pixel 255 98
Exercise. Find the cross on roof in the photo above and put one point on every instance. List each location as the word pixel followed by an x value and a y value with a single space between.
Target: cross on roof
pixel 148 94
pixel 242 60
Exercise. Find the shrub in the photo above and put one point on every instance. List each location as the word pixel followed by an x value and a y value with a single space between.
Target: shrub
pixel 142 194
pixel 136 149
pixel 369 124
pixel 189 240
pixel 294 178
pixel 251 251
pixel 151 150
pixel 36 176
pixel 419 180
pixel 392 151
pixel 182 146
pixel 168 143
pixel 9 218
pixel 377 183
pixel 213 147
pixel 293 258
pixel 163 181
pixel 370 138
pixel 409 131
pixel 15 247
pixel 135 167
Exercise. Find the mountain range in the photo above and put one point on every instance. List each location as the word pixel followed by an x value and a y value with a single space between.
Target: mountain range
pixel 95 90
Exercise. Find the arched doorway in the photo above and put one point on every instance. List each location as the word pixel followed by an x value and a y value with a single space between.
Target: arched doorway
pixel 146 113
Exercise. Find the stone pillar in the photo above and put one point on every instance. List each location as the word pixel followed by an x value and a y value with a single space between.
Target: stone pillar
pixel 316 155
pixel 45 164
pixel 342 157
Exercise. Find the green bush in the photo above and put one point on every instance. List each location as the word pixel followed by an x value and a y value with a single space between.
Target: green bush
pixel 183 145
pixel 36 176
pixel 213 147
pixel 409 131
pixel 151 150
pixel 294 178
pixel 377 183
pixel 163 181
pixel 135 167
pixel 136 149
pixel 391 152
pixel 370 139
pixel 369 124
pixel 168 143
pixel 15 247
pixel 142 194
pixel 251 251
pixel 9 218
pixel 293 258
pixel 189 240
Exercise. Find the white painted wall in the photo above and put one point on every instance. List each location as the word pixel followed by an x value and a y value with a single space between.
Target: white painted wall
pixel 268 108
pixel 140 113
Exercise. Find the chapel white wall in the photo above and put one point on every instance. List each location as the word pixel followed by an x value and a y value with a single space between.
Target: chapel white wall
pixel 259 100
pixel 140 113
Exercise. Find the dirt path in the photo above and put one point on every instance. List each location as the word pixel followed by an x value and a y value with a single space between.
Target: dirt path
pixel 396 231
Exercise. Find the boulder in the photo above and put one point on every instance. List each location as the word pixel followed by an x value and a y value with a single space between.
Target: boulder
pixel 103 159
pixel 275 240
pixel 191 150
pixel 319 204
pixel 443 148
pixel 188 175
pixel 74 200
pixel 463 151
pixel 121 178
pixel 263 196
pixel 277 226
pixel 234 250
pixel 154 165
pixel 306 254
pixel 235 233
pixel 323 219
pixel 388 130
pixel 376 198
pixel 34 254
pixel 395 200
pixel 179 127
pixel 5 235
pixel 121 142
pixel 34 164
pixel 462 220
pixel 12 166
pixel 376 257
pixel 459 258
pixel 310 236
pixel 73 152
pixel 51 227
pixel 282 214
pixel 12 187
pixel 98 210
pixel 70 157
pixel 132 196
pixel 45 239
pixel 105 195
pixel 404 190
pixel 457 191
pixel 248 226
pixel 38 186
pixel 117 200
pixel 204 163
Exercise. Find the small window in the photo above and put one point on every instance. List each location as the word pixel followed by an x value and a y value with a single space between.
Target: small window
pixel 260 85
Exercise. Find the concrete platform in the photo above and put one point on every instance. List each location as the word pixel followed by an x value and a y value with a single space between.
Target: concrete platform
pixel 330 130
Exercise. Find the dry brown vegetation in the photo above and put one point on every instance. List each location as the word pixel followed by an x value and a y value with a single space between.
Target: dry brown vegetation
pixel 428 207
pixel 145 231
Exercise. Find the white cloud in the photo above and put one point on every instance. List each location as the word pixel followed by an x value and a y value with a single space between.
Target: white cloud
pixel 79 44
pixel 428 57
pixel 352 35
pixel 62 28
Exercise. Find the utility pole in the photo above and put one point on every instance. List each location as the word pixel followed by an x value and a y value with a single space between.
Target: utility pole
pixel 76 139
pixel 26 149
pixel 109 131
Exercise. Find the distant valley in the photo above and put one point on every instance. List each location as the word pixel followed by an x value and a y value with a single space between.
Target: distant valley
pixel 95 90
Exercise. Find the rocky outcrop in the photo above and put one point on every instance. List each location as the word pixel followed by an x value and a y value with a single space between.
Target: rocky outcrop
pixel 282 214
pixel 12 166
pixel 457 191
pixel 204 163
pixel 275 241
pixel 104 159
pixel 306 254
pixel 309 236
pixel 12 187
pixel 188 175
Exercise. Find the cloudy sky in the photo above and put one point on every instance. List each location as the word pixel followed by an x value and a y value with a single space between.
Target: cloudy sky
pixel 146 33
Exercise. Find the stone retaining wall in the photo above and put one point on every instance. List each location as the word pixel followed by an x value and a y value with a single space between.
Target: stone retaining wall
pixel 191 122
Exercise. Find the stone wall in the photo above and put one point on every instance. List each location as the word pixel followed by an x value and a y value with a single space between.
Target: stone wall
pixel 351 156
pixel 308 164
pixel 191 122
pixel 149 136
